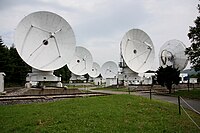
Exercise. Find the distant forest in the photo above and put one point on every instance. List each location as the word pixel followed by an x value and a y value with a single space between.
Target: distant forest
pixel 16 69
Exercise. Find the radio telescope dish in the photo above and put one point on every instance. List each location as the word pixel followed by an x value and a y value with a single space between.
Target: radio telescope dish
pixel 137 50
pixel 81 62
pixel 172 53
pixel 95 70
pixel 45 41
pixel 109 70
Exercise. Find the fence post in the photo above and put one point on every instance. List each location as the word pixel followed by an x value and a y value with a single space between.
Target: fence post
pixel 188 84
pixel 179 105
pixel 150 92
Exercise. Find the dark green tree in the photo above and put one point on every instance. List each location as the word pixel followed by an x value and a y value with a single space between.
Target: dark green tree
pixel 168 76
pixel 12 65
pixel 64 72
pixel 193 51
pixel 18 69
pixel 87 77
pixel 4 56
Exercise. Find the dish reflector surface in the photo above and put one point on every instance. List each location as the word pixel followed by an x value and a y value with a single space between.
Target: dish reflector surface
pixel 95 70
pixel 45 41
pixel 81 62
pixel 109 70
pixel 173 53
pixel 137 50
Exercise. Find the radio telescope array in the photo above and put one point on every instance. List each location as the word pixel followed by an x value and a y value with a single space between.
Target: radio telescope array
pixel 172 54
pixel 46 42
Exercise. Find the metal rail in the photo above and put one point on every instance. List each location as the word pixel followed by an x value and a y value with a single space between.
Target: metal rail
pixel 48 96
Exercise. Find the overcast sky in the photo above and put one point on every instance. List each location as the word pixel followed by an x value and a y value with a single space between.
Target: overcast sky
pixel 99 25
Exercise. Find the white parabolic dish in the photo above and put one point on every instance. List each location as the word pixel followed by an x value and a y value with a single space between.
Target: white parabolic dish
pixel 109 70
pixel 173 53
pixel 45 41
pixel 81 62
pixel 137 50
pixel 95 70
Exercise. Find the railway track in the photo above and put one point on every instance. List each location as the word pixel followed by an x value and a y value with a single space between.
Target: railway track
pixel 24 99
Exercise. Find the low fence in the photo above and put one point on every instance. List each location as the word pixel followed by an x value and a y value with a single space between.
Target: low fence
pixel 181 107
pixel 159 88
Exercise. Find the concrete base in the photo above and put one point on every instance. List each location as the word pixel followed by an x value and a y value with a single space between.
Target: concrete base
pixel 38 75
pixel 39 78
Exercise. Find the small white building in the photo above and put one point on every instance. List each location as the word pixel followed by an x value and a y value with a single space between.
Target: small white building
pixel 146 78
pixel 183 77
pixel 99 81
pixel 111 81
pixel 2 75
pixel 193 80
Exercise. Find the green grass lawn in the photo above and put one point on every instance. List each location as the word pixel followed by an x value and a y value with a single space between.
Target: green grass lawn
pixel 192 94
pixel 114 113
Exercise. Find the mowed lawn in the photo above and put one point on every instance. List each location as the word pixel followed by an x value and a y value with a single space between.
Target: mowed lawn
pixel 114 113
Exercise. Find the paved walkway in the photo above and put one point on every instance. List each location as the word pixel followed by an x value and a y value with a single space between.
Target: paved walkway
pixel 194 103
